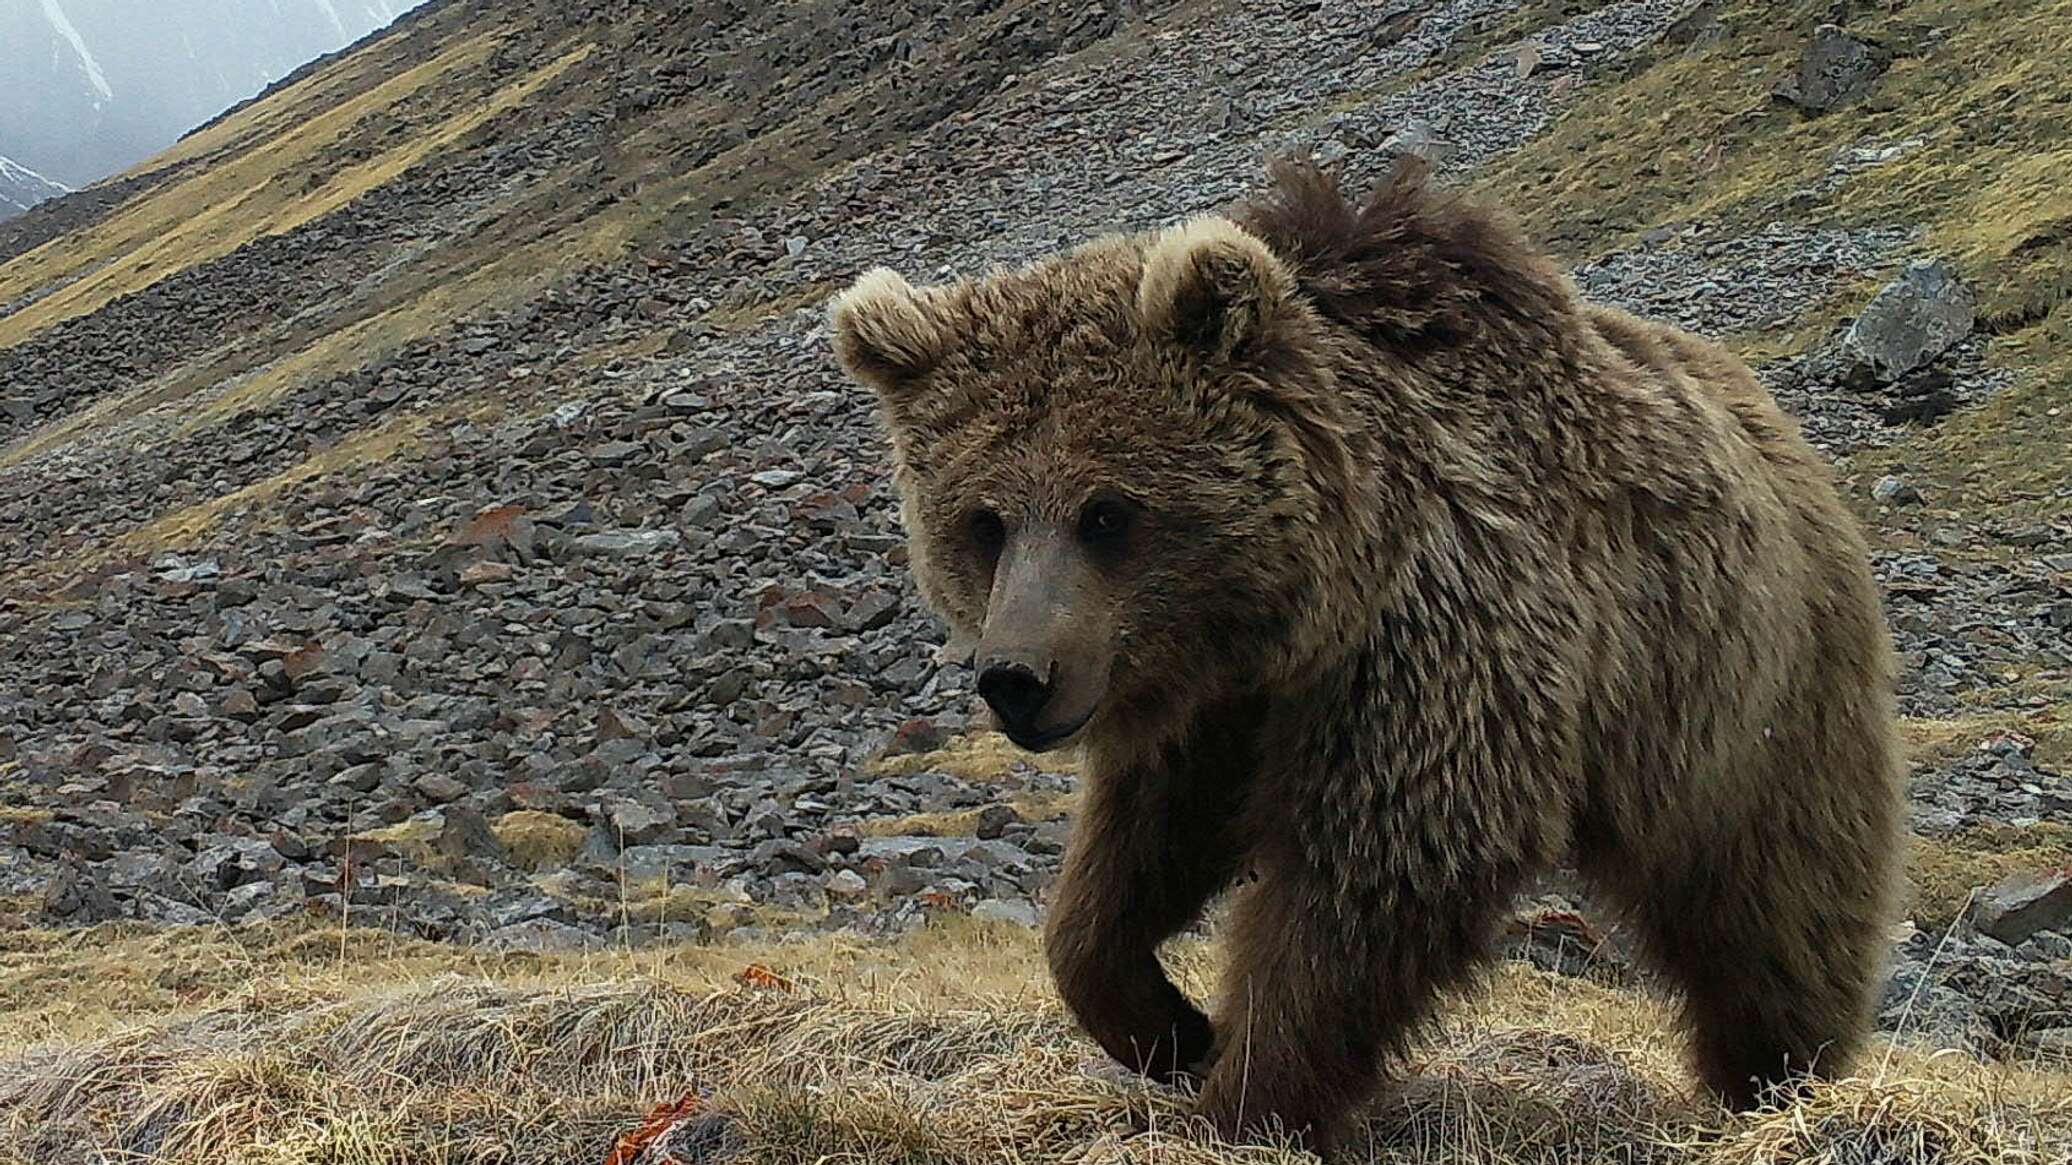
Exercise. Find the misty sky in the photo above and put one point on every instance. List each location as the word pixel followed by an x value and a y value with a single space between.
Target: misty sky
pixel 90 87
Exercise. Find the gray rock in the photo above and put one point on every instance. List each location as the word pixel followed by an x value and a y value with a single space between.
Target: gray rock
pixel 1005 910
pixel 511 907
pixel 362 778
pixel 440 787
pixel 78 896
pixel 1909 323
pixel 672 862
pixel 1919 1010
pixel 615 453
pixel 244 899
pixel 144 871
pixel 729 635
pixel 627 544
pixel 465 833
pixel 158 908
pixel 993 821
pixel 234 863
pixel 1417 138
pixel 783 855
pixel 2024 904
pixel 1836 68
pixel 846 885
pixel 2046 946
pixel 636 823
pixel 1893 491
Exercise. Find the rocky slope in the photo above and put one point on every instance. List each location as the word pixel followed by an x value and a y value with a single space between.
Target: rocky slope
pixel 459 526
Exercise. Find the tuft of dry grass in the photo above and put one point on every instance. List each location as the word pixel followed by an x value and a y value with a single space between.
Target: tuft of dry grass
pixel 349 1048
pixel 974 757
pixel 538 840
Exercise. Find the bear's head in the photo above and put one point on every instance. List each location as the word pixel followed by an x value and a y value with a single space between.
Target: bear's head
pixel 1120 470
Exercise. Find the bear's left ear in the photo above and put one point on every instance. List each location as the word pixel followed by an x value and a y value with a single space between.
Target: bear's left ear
pixel 884 334
pixel 1211 286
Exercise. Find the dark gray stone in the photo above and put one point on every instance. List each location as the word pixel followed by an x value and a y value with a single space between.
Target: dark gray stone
pixel 2024 904
pixel 1836 69
pixel 1909 323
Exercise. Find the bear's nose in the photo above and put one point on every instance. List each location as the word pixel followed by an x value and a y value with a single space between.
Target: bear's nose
pixel 1016 691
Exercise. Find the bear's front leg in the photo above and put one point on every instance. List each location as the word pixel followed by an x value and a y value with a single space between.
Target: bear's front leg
pixel 1142 862
pixel 1390 828
pixel 1327 981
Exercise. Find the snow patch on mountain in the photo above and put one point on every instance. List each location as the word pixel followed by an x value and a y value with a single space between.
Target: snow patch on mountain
pixel 64 27
pixel 22 188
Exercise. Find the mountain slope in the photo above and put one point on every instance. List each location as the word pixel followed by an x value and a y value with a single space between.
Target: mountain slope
pixel 22 188
pixel 427 503
pixel 94 85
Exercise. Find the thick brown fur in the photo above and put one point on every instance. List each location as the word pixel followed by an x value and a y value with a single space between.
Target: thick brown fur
pixel 1436 573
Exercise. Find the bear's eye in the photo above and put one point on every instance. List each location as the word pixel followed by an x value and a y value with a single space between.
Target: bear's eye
pixel 988 530
pixel 1105 521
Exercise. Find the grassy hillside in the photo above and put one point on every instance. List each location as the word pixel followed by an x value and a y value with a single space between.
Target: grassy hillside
pixel 1979 133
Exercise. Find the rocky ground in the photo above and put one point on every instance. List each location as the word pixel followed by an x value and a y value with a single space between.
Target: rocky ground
pixel 608 638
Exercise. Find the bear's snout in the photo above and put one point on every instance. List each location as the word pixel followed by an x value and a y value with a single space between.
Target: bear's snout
pixel 1017 687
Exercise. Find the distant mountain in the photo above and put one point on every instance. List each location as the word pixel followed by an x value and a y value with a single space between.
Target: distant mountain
pixel 93 86
pixel 22 188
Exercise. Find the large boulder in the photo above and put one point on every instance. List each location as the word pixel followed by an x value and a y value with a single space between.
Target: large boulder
pixel 1836 69
pixel 1909 323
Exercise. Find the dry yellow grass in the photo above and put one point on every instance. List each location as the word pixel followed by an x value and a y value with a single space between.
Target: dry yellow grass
pixel 1038 806
pixel 1939 741
pixel 354 1048
pixel 1946 871
pixel 538 840
pixel 977 756
pixel 325 88
pixel 206 215
pixel 226 206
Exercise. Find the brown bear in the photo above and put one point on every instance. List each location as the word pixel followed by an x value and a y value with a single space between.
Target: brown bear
pixel 1358 552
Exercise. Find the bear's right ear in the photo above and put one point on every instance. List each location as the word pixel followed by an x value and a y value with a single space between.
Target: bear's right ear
pixel 884 334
